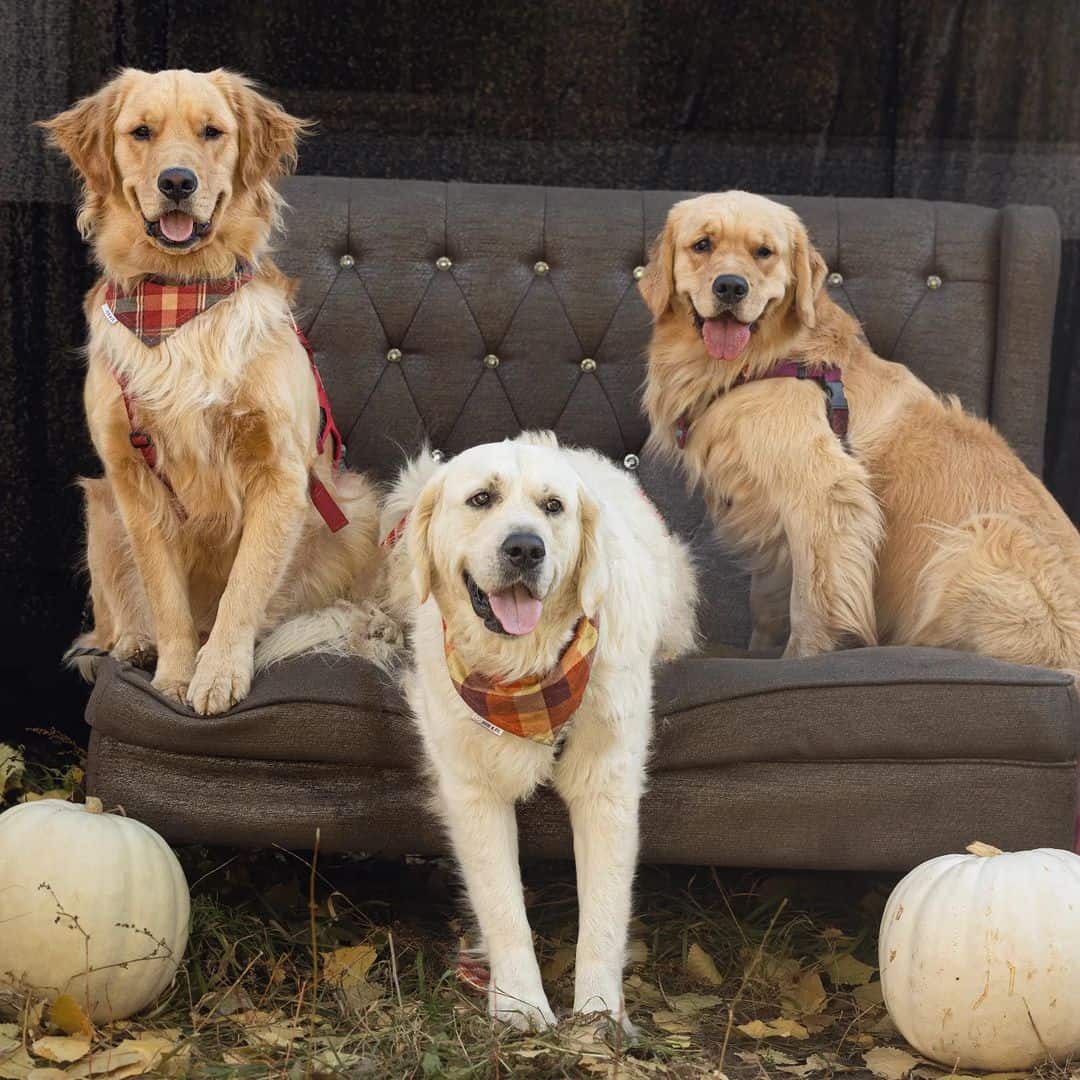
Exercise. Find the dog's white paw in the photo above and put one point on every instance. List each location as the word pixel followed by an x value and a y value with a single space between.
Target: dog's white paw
pixel 601 992
pixel 526 1010
pixel 372 624
pixel 222 678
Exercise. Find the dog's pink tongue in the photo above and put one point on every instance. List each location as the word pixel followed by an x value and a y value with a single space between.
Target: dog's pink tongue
pixel 517 610
pixel 177 225
pixel 725 337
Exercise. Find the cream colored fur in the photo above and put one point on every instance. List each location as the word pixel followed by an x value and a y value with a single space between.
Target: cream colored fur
pixel 930 532
pixel 610 557
pixel 229 399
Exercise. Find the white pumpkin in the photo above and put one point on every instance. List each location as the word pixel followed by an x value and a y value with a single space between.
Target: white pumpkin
pixel 980 957
pixel 61 862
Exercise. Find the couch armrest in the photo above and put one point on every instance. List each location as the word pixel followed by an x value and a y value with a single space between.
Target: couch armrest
pixel 1030 263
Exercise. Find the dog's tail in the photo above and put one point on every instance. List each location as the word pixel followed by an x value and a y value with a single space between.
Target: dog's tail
pixel 343 629
pixel 995 587
pixel 83 657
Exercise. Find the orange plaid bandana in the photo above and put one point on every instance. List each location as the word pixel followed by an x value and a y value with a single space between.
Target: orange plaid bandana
pixel 530 708
pixel 156 309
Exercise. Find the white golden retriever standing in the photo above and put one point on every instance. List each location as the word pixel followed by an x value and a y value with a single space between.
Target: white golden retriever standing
pixel 516 556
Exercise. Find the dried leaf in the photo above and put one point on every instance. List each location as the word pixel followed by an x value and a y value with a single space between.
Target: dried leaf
pixel 560 963
pixel 113 1062
pixel 805 996
pixel 690 1004
pixel 701 966
pixel 637 952
pixel 49 1073
pixel 62 1048
pixel 67 1014
pixel 56 793
pixel 266 1029
pixel 768 1055
pixel 846 970
pixel 639 990
pixel 889 1062
pixel 869 994
pixel 781 1027
pixel 348 966
pixel 674 1023
pixel 817 1063
pixel 16 1064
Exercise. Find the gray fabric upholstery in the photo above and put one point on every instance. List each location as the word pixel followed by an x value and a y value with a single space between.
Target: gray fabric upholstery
pixel 873 758
pixel 983 335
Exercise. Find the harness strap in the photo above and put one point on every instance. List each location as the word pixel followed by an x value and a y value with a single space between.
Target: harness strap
pixel 320 496
pixel 830 379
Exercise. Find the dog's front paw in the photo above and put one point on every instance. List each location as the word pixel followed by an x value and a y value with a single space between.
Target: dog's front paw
pixel 134 649
pixel 222 678
pixel 526 1011
pixel 372 624
pixel 601 992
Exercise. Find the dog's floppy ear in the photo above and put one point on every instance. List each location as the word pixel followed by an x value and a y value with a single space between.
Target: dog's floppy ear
pixel 268 135
pixel 592 571
pixel 810 272
pixel 85 134
pixel 657 284
pixel 418 537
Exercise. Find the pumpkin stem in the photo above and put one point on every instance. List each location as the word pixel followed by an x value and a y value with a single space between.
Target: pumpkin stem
pixel 984 851
pixel 94 805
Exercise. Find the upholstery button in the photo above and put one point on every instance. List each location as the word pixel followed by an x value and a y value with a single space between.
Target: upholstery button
pixel 443 263
pixel 836 278
pixel 933 282
pixel 394 356
pixel 540 267
pixel 437 455
pixel 491 360
pixel 588 364
pixel 639 272
pixel 631 462
pixel 346 261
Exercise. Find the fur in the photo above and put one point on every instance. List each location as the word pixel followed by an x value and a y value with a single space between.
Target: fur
pixel 929 532
pixel 229 399
pixel 611 557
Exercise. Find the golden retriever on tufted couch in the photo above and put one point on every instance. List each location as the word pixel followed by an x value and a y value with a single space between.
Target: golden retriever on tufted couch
pixel 220 512
pixel 867 506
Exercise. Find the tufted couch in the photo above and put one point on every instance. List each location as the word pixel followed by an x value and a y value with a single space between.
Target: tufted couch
pixel 462 313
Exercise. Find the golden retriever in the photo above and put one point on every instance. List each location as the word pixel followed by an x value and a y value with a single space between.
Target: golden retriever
pixel 921 528
pixel 506 551
pixel 218 541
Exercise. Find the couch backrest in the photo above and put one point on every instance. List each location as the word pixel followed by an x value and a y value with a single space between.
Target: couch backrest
pixel 461 313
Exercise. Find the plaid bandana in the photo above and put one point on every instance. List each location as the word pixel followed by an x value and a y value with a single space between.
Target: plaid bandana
pixel 530 708
pixel 156 309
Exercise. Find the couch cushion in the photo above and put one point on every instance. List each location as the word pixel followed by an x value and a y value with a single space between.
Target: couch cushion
pixel 861 704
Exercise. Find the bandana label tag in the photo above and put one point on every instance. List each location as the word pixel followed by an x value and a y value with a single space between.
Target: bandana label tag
pixel 108 313
pixel 493 728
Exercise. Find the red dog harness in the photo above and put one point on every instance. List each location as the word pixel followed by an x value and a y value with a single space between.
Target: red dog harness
pixel 829 379
pixel 157 309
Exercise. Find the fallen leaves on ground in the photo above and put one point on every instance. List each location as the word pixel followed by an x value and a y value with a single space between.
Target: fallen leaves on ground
pixel 781 1027
pixel 847 970
pixel 67 1014
pixel 701 966
pixel 890 1062
pixel 62 1048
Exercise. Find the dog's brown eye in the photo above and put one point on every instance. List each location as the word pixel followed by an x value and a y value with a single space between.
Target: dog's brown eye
pixel 763 252
pixel 142 133
pixel 703 245
pixel 211 132
pixel 553 506
pixel 480 499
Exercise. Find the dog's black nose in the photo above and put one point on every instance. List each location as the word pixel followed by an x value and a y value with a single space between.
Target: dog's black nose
pixel 177 183
pixel 730 288
pixel 524 550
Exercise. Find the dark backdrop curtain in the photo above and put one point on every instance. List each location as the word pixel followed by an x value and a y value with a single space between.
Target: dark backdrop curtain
pixel 942 99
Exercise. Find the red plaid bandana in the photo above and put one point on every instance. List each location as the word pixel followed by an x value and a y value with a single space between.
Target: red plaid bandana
pixel 156 309
pixel 530 708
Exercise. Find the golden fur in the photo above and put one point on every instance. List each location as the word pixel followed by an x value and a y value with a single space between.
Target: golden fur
pixel 930 532
pixel 229 399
